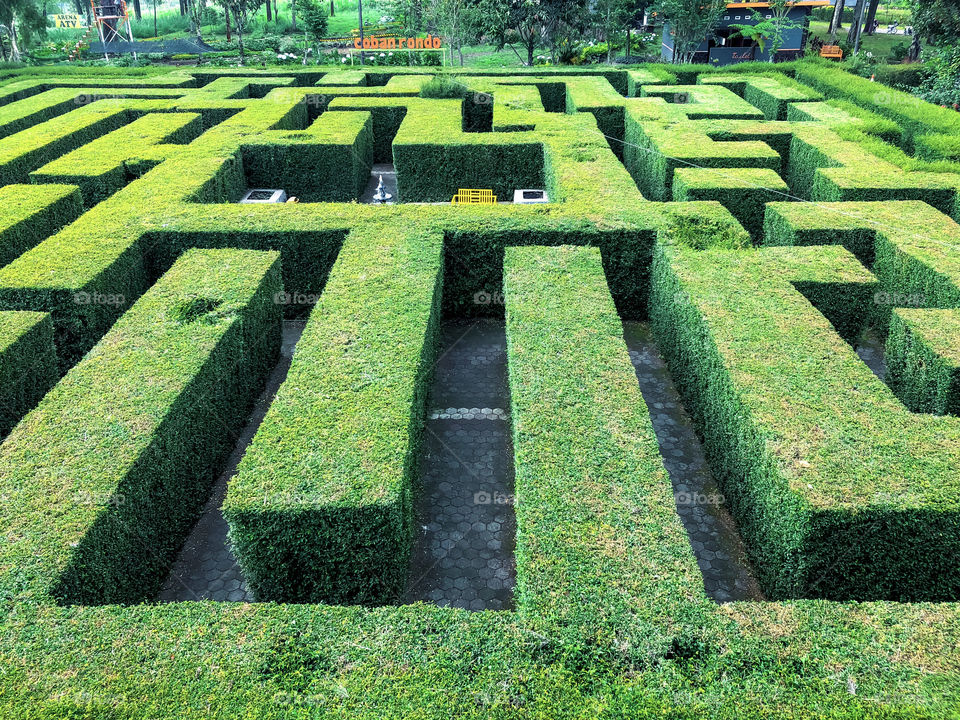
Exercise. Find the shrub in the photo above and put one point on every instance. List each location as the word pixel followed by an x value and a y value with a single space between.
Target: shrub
pixel 627 562
pixel 324 515
pixel 923 364
pixel 128 471
pixel 788 411
pixel 28 364
pixel 443 86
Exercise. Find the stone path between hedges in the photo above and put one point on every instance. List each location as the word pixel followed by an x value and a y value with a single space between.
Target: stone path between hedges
pixel 716 542
pixel 463 554
pixel 206 568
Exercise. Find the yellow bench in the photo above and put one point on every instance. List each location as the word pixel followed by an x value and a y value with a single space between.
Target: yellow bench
pixel 474 197
pixel 831 51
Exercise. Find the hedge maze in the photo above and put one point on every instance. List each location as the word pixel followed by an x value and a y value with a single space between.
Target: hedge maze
pixel 761 222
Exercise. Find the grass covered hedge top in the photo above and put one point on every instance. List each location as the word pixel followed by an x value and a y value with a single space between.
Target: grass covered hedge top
pixel 611 618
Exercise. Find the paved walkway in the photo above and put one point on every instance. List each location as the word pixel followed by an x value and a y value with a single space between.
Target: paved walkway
pixel 206 568
pixel 720 552
pixel 463 553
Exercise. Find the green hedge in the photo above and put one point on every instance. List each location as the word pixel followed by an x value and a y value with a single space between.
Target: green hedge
pixel 654 150
pixel 743 191
pixel 30 214
pixel 320 509
pixel 772 94
pixel 937 146
pixel 99 167
pixel 434 158
pixel 923 360
pixel 100 515
pixel 387 114
pixel 789 413
pixel 29 149
pixel 328 163
pixel 915 116
pixel 904 243
pixel 842 112
pixel 680 658
pixel 28 364
pixel 596 522
pixel 699 102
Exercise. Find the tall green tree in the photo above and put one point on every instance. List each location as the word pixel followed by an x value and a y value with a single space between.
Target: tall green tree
pixel 610 17
pixel 937 21
pixel 457 21
pixel 534 22
pixel 691 21
pixel 242 11
pixel 314 21
pixel 20 21
pixel 772 30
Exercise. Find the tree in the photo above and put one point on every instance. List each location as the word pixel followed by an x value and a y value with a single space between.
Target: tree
pixel 225 4
pixel 773 28
pixel 456 20
pixel 315 21
pixel 20 20
pixel 937 21
pixel 871 16
pixel 609 17
pixel 242 11
pixel 196 10
pixel 836 20
pixel 535 22
pixel 854 31
pixel 690 22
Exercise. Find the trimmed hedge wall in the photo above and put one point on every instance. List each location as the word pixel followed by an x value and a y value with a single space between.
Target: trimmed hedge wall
pixel 705 102
pixel 907 245
pixel 40 108
pixel 654 150
pixel 28 364
pixel 99 167
pixel 743 191
pixel 434 158
pixel 99 516
pixel 328 163
pixel 386 113
pixel 676 656
pixel 837 113
pixel 320 509
pixel 789 412
pixel 596 523
pixel 29 149
pixel 771 94
pixel 29 214
pixel 923 359
pixel 915 116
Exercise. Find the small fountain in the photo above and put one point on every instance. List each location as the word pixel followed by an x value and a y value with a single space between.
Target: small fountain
pixel 381 195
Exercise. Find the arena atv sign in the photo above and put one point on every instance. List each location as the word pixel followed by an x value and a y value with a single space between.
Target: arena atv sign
pixel 391 43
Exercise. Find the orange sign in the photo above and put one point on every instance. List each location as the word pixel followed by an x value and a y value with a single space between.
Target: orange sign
pixel 389 43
